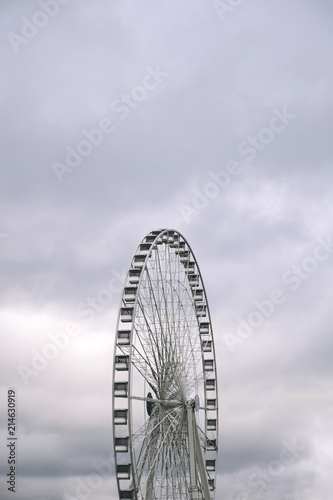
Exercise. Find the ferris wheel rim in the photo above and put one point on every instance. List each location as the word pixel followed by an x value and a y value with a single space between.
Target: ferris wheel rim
pixel 159 235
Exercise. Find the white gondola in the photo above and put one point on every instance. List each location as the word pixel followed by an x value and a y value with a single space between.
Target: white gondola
pixel 120 389
pixel 139 261
pixel 206 346
pixel 190 267
pixel 204 328
pixel 159 241
pixel 211 483
pixel 210 465
pixel 200 310
pixel 211 445
pixel 126 494
pixel 210 384
pixel 126 314
pixel 134 276
pixel 175 242
pixel 121 444
pixel 184 256
pixel 181 247
pixel 123 337
pixel 120 417
pixel 144 248
pixel 193 280
pixel 123 471
pixel 211 404
pixel 121 363
pixel 150 238
pixel 167 238
pixel 198 294
pixel 208 365
pixel 211 424
pixel 130 294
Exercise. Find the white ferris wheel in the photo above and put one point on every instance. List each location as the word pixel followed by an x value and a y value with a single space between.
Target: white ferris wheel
pixel 165 411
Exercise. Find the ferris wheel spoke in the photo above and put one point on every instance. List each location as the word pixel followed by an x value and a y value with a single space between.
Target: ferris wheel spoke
pixel 147 445
pixel 149 333
pixel 156 350
pixel 147 429
pixel 173 443
pixel 197 381
pixel 141 461
pixel 178 471
pixel 150 454
pixel 138 357
pixel 166 355
pixel 187 341
pixel 138 362
pixel 179 452
pixel 154 303
pixel 162 289
pixel 158 356
pixel 158 454
pixel 174 281
pixel 182 471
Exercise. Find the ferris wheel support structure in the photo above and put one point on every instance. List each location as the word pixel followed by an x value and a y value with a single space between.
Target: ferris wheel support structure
pixel 195 456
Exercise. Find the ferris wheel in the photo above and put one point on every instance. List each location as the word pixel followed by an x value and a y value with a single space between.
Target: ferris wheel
pixel 165 399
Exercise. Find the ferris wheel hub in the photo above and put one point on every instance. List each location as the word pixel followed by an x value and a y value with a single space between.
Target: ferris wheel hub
pixel 193 403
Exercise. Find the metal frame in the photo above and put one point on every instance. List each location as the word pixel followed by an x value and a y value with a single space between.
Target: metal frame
pixel 164 346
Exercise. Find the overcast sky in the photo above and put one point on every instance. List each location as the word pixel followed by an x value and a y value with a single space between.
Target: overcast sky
pixel 214 119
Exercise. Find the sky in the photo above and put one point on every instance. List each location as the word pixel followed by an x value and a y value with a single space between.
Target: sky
pixel 213 118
